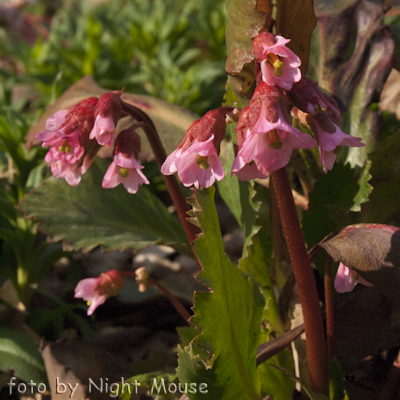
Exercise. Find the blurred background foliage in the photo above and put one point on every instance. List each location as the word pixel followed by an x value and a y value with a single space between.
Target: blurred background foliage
pixel 173 50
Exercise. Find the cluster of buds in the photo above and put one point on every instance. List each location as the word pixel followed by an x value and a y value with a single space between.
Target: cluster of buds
pixel 76 135
pixel 266 133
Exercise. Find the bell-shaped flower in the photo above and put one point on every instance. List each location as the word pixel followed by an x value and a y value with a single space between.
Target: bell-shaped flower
pixel 107 114
pixel 279 65
pixel 328 134
pixel 95 291
pixel 346 279
pixel 265 137
pixel 125 167
pixel 306 96
pixel 196 159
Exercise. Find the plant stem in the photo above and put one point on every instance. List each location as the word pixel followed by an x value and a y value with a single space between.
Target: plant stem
pixel 174 301
pixel 173 186
pixel 329 307
pixel 316 347
pixel 169 295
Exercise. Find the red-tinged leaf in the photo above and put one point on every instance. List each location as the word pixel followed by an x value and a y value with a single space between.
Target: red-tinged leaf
pixel 373 250
pixel 170 120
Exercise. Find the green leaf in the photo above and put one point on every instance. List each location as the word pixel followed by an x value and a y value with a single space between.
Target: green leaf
pixel 336 380
pixel 365 188
pixel 312 394
pixel 153 381
pixel 335 194
pixel 385 170
pixel 230 315
pixel 87 215
pixel 191 369
pixel 19 354
pixel 238 195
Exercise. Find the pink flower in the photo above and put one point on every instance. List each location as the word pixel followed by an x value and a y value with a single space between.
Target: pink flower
pixel 346 279
pixel 95 291
pixel 70 153
pixel 279 65
pixel 264 135
pixel 196 158
pixel 328 134
pixel 107 114
pixel 125 167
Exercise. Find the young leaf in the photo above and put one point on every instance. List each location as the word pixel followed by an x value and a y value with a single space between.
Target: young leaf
pixel 19 354
pixel 87 215
pixel 230 314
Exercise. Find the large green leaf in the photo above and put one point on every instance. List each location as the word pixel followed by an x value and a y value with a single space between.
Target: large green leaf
pixel 335 195
pixel 19 354
pixel 230 314
pixel 87 215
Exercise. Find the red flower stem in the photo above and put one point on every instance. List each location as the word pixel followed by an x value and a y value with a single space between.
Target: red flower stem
pixel 329 308
pixel 174 301
pixel 172 183
pixel 277 240
pixel 315 343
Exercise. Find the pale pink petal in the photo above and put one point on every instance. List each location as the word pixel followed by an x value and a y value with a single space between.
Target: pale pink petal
pixel 134 179
pixel 344 279
pixel 55 121
pixel 128 163
pixel 169 166
pixel 111 177
pixel 103 130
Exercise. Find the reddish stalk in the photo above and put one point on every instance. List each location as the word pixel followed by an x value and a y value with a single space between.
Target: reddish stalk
pixel 172 183
pixel 329 308
pixel 174 301
pixel 169 295
pixel 316 346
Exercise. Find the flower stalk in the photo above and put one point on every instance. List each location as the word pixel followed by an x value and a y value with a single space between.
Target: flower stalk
pixel 316 346
pixel 173 186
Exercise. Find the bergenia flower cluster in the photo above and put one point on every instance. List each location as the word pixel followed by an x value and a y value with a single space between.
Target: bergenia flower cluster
pixel 266 133
pixel 76 135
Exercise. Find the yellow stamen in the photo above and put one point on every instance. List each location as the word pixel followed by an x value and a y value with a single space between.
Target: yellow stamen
pixel 277 63
pixel 202 162
pixel 123 172
pixel 89 303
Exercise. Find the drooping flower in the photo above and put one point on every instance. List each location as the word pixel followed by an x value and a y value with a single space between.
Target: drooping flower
pixel 346 279
pixel 279 65
pixel 107 114
pixel 67 133
pixel 95 291
pixel 125 167
pixel 196 159
pixel 265 136
pixel 319 114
